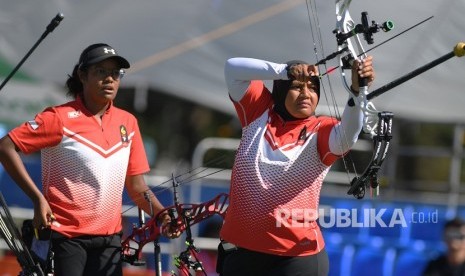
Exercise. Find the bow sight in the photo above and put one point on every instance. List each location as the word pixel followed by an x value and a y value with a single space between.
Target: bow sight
pixel 363 28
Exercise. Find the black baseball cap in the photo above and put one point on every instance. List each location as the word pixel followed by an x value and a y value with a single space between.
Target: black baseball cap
pixel 98 52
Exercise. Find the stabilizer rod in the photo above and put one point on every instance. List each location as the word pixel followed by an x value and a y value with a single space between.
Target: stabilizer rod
pixel 53 24
pixel 459 51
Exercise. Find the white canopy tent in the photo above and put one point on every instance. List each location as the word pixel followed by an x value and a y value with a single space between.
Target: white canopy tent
pixel 180 46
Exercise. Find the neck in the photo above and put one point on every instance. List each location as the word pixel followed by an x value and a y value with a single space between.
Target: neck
pixel 96 109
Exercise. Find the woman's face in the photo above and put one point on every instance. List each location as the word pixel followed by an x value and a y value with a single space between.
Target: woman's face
pixel 455 239
pixel 301 99
pixel 101 81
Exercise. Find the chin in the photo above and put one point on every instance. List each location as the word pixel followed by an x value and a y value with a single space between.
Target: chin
pixel 109 97
pixel 304 114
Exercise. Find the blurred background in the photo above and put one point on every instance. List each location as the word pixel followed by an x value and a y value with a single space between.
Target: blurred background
pixel 176 89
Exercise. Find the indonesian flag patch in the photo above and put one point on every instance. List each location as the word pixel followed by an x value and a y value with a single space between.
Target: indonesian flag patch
pixel 34 125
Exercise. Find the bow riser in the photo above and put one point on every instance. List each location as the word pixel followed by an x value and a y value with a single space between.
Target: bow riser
pixel 152 231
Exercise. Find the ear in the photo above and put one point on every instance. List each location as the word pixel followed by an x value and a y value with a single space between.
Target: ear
pixel 82 75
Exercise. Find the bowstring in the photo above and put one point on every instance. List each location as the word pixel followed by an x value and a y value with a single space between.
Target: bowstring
pixel 333 109
pixel 190 176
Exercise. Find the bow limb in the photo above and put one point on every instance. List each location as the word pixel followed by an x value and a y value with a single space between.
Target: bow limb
pixel 347 38
pixel 12 237
pixel 140 236
pixel 190 214
pixel 347 35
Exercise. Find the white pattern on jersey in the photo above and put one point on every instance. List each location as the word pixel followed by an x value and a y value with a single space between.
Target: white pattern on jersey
pixel 72 185
pixel 84 164
pixel 280 180
pixel 275 171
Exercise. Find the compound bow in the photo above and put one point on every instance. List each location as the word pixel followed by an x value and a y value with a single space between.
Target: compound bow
pixel 377 124
pixel 183 216
pixel 9 232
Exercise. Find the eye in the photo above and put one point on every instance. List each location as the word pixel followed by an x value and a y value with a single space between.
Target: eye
pixel 296 87
pixel 104 73
pixel 100 72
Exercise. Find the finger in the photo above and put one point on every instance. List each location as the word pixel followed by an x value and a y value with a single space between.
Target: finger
pixel 43 222
pixel 50 219
pixel 372 77
pixel 368 61
pixel 312 70
pixel 366 72
pixel 175 235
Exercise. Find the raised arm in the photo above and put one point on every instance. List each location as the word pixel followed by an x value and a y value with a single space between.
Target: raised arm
pixel 240 71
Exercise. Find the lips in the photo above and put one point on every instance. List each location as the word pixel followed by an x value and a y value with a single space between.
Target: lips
pixel 108 89
pixel 304 104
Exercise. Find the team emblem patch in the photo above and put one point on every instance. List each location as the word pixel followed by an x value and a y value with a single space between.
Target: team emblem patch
pixel 124 134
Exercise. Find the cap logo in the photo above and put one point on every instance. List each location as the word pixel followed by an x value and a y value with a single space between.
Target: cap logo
pixel 106 51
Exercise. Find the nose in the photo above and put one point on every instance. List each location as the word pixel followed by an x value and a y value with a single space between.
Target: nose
pixel 306 91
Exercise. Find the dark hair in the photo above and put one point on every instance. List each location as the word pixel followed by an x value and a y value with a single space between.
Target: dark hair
pixel 73 82
pixel 454 223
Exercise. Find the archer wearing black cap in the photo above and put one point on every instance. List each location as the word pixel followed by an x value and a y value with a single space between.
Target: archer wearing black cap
pixel 284 155
pixel 91 150
pixel 92 56
pixel 98 52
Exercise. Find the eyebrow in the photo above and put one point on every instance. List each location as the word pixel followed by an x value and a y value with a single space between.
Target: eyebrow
pixel 300 83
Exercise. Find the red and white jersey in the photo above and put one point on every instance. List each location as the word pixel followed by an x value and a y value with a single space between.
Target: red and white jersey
pixel 276 179
pixel 84 164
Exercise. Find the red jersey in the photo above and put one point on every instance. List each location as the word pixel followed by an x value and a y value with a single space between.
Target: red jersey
pixel 84 164
pixel 276 179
